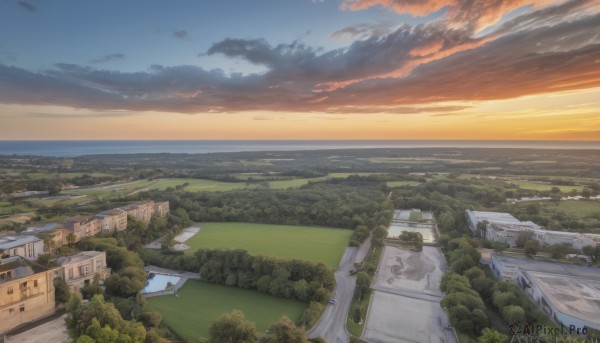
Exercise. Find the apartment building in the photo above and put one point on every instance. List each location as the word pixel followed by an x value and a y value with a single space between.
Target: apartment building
pixel 54 230
pixel 143 211
pixel 161 208
pixel 79 270
pixel 29 247
pixel 114 219
pixel 26 292
pixel 83 226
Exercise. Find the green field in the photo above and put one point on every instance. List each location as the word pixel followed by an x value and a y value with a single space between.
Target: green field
pixel 543 187
pixel 198 304
pixel 315 244
pixel 402 183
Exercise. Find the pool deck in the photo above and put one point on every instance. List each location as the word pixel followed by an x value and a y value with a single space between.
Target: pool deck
pixel 182 274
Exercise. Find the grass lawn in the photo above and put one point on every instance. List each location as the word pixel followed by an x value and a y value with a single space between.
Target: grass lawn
pixel 199 185
pixel 199 304
pixel 573 208
pixel 402 183
pixel 543 187
pixel 315 244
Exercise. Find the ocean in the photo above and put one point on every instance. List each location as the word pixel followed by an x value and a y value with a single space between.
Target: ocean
pixel 82 148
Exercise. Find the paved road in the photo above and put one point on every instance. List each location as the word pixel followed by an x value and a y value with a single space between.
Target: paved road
pixel 332 325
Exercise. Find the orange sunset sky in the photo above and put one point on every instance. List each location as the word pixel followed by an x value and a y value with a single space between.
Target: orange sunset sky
pixel 348 69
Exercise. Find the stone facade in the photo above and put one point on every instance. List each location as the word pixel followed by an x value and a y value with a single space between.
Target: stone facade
pixel 78 270
pixel 161 208
pixel 83 226
pixel 26 293
pixel 113 219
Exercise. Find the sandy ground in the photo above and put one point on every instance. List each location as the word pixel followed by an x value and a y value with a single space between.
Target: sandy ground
pixel 394 318
pixel 419 271
pixel 54 331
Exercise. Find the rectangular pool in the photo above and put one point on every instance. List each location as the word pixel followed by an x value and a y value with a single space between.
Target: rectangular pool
pixel 159 282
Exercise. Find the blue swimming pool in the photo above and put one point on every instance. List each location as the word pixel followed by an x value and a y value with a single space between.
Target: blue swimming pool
pixel 159 282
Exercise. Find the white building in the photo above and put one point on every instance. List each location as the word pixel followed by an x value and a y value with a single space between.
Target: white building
pixel 568 294
pixel 504 228
pixel 29 247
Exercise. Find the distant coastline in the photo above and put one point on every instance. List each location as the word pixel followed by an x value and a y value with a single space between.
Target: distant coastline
pixel 97 147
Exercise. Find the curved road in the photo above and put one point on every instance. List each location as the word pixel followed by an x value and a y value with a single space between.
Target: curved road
pixel 332 324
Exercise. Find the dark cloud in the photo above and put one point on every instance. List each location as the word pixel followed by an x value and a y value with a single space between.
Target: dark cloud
pixel 181 34
pixel 405 71
pixel 27 6
pixel 108 58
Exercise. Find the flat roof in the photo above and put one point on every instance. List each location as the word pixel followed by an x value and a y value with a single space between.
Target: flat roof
pixel 79 257
pixel 13 241
pixel 576 296
pixel 564 269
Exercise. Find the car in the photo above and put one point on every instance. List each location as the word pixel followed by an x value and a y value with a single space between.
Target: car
pixel 332 301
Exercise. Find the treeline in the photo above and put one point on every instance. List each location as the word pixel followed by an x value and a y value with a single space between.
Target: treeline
pixel 293 279
pixel 353 203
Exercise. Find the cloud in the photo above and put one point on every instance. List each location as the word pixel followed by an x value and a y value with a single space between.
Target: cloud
pixel 412 69
pixel 475 15
pixel 362 31
pixel 108 58
pixel 181 34
pixel 8 56
pixel 27 6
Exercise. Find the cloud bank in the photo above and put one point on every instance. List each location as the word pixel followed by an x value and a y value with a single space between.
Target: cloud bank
pixel 549 47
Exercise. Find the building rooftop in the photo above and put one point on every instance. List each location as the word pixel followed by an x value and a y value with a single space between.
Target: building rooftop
pixel 45 227
pixel 79 257
pixel 13 241
pixel 113 212
pixel 564 269
pixel 576 296
pixel 18 267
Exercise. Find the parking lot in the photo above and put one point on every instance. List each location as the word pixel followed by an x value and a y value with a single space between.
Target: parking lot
pixel 394 318
pixel 419 271
pixel 405 305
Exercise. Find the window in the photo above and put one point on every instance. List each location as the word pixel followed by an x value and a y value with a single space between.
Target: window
pixel 11 310
pixel 9 290
pixel 35 283
pixel 22 308
pixel 24 285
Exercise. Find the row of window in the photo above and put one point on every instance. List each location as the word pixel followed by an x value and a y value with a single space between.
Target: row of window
pixel 21 309
pixel 22 286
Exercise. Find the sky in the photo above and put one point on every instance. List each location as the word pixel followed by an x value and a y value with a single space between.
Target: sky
pixel 300 69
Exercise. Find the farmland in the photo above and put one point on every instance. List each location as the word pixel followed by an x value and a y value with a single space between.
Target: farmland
pixel 198 304
pixel 315 244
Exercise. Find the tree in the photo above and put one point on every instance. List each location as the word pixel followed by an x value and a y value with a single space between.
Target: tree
pixel 61 290
pixel 150 318
pixel 531 247
pixel 557 251
pixel 523 237
pixel 491 336
pixel 446 222
pixel 513 314
pixel 363 282
pixel 284 331
pixel 71 238
pixel 232 327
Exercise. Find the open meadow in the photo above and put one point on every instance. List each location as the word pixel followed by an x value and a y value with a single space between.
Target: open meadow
pixel 198 304
pixel 315 244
